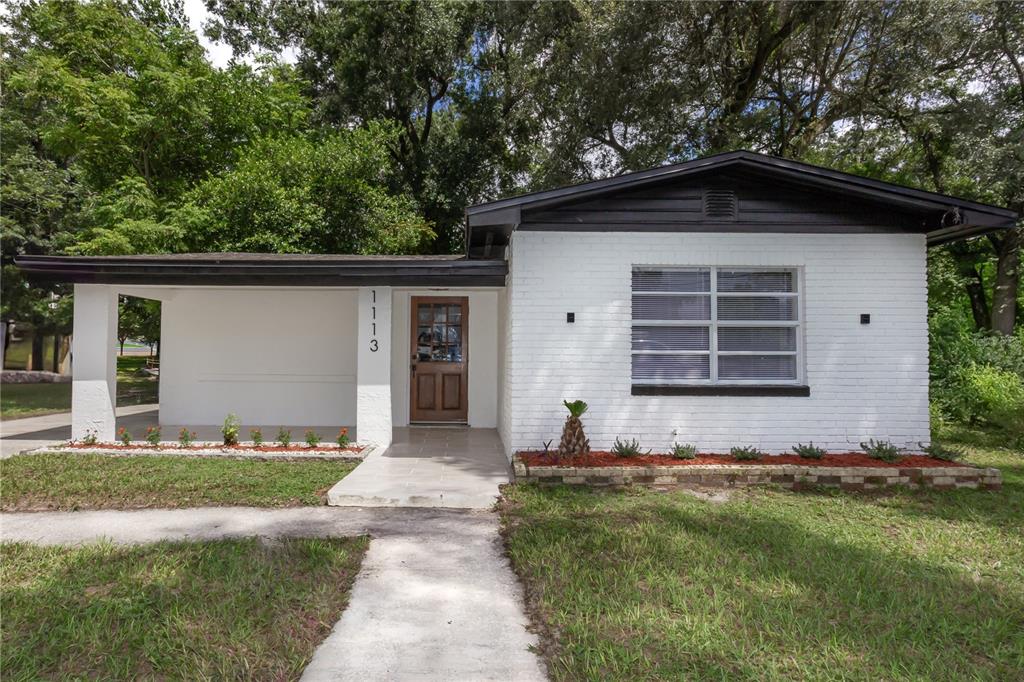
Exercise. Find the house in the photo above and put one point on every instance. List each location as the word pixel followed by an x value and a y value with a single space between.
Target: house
pixel 732 300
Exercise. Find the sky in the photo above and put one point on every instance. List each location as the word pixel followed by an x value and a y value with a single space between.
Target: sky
pixel 219 53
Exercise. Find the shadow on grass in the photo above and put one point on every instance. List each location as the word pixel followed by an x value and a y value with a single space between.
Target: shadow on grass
pixel 780 598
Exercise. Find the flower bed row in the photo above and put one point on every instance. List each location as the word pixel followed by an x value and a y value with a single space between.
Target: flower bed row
pixel 847 471
pixel 220 447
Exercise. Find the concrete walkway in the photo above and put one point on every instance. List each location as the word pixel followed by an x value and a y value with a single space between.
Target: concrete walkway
pixel 435 598
pixel 452 467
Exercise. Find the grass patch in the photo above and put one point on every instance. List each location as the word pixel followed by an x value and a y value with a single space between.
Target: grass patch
pixel 33 400
pixel 229 609
pixel 68 481
pixel 777 585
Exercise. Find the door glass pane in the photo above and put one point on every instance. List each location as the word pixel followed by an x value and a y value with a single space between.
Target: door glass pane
pixel 454 314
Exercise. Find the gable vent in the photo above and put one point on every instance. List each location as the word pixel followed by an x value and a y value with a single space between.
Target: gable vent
pixel 719 204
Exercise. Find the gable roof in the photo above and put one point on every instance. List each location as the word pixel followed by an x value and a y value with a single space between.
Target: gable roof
pixel 943 218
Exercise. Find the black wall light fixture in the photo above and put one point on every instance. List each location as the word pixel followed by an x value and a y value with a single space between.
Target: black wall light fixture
pixel 865 318
pixel 570 317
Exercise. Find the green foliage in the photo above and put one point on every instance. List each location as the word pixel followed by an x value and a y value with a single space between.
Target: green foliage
pixel 809 451
pixel 153 435
pixel 684 450
pixel 230 429
pixel 256 436
pixel 746 453
pixel 186 437
pixel 312 438
pixel 628 448
pixel 883 450
pixel 284 437
pixel 949 453
pixel 577 408
pixel 124 436
pixel 342 440
pixel 89 438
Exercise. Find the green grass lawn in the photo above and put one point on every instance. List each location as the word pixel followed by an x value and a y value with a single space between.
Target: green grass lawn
pixel 33 400
pixel 230 609
pixel 69 480
pixel 777 585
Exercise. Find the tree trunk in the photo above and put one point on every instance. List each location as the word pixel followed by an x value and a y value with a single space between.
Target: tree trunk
pixel 4 336
pixel 37 350
pixel 1004 294
pixel 979 303
pixel 122 345
pixel 56 353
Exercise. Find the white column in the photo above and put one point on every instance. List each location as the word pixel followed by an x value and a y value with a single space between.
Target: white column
pixel 94 362
pixel 373 367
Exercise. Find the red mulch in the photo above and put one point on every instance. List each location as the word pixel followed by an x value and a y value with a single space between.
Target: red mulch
pixel 602 458
pixel 216 446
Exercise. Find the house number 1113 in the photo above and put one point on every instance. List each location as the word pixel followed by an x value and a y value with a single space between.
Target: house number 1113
pixel 374 346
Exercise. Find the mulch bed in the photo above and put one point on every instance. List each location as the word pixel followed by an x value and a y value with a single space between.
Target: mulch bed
pixel 214 446
pixel 603 458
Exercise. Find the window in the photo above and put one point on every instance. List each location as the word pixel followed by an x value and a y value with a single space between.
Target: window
pixel 715 326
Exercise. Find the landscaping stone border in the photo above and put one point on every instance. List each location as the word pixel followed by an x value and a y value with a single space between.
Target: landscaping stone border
pixel 791 476
pixel 214 452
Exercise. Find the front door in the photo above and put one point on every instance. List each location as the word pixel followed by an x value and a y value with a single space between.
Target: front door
pixel 438 385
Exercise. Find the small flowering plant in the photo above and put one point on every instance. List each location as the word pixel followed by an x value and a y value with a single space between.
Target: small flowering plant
pixel 124 436
pixel 284 436
pixel 153 435
pixel 90 437
pixel 256 436
pixel 312 438
pixel 342 439
pixel 186 437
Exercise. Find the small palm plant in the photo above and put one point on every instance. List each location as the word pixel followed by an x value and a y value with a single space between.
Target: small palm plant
pixel 574 441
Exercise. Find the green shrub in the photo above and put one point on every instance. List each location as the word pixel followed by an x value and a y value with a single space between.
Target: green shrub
pixel 284 437
pixel 124 436
pixel 628 448
pixel 186 437
pixel 153 435
pixel 232 425
pixel 256 436
pixel 684 450
pixel 746 453
pixel 342 439
pixel 312 438
pixel 945 452
pixel 809 451
pixel 883 450
pixel 90 437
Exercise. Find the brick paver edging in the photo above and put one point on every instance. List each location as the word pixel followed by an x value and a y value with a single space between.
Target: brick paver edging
pixel 793 476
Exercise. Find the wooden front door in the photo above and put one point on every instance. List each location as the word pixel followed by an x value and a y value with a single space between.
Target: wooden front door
pixel 439 391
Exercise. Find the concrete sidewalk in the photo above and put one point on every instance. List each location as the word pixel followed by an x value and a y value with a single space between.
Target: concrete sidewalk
pixel 435 598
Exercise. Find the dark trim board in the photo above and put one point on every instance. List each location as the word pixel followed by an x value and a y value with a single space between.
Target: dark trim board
pixel 751 390
pixel 266 270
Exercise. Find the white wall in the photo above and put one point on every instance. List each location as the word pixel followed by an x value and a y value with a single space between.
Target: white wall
pixel 271 356
pixel 866 381
pixel 482 353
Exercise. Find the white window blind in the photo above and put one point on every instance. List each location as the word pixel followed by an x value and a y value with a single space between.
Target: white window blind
pixel 715 326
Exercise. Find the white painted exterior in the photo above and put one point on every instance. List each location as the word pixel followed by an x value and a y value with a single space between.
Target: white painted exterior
pixel 866 381
pixel 94 376
pixel 373 371
pixel 270 356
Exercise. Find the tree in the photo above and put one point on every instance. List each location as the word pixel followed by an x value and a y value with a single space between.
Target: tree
pixel 139 319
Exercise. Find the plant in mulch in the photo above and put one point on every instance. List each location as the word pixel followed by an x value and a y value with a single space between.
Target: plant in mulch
pixel 186 438
pixel 684 450
pixel 943 452
pixel 809 451
pixel 547 446
pixel 256 436
pixel 124 436
pixel 90 437
pixel 883 450
pixel 153 435
pixel 746 454
pixel 574 442
pixel 627 448
pixel 232 426
pixel 312 438
pixel 284 437
pixel 342 439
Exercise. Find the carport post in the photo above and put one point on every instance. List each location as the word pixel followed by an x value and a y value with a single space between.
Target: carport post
pixel 94 362
pixel 373 367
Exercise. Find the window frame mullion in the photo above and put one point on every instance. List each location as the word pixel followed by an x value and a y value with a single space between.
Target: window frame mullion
pixel 713 329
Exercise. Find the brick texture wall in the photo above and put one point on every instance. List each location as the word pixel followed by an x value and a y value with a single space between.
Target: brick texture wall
pixel 866 381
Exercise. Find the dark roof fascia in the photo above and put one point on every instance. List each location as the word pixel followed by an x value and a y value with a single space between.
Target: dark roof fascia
pixel 205 271
pixel 885 192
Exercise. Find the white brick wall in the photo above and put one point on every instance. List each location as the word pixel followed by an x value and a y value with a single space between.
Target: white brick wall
pixel 867 381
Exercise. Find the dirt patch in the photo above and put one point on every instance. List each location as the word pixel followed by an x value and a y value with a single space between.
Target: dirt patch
pixel 603 458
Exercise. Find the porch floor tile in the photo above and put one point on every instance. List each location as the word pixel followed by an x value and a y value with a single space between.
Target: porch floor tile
pixel 458 468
